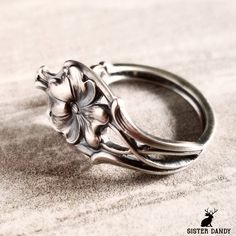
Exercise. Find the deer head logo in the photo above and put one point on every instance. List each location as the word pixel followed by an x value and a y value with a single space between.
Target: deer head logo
pixel 207 221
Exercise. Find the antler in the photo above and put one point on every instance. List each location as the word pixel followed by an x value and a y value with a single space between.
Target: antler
pixel 215 210
pixel 206 210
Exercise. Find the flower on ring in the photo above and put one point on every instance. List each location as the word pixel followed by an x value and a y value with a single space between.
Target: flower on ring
pixel 72 103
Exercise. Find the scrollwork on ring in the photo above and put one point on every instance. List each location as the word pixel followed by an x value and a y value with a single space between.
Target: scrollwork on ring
pixel 82 107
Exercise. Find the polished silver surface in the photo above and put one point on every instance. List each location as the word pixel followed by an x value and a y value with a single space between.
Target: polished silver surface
pixel 82 108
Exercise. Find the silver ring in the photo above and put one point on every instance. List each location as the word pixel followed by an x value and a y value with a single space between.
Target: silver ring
pixel 82 108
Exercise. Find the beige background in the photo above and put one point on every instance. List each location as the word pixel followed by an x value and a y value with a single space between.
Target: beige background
pixel 41 189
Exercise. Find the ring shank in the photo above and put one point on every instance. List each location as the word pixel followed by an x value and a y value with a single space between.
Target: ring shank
pixel 175 83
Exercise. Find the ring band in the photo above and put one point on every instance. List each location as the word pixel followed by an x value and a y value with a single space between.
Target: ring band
pixel 82 107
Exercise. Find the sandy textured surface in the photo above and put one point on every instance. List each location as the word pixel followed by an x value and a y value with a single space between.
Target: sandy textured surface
pixel 42 190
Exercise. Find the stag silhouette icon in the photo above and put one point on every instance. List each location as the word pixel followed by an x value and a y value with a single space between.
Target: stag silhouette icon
pixel 207 221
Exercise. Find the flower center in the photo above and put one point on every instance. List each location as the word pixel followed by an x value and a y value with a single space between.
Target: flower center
pixel 75 107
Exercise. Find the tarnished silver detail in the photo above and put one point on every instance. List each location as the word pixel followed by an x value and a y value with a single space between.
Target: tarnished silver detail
pixel 82 108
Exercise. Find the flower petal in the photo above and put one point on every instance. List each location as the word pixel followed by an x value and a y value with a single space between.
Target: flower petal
pixel 58 107
pixel 90 136
pixel 83 92
pixel 94 117
pixel 41 79
pixel 70 127
pixel 61 90
pixel 75 79
pixel 73 132
pixel 96 114
pixel 60 122
pixel 86 94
